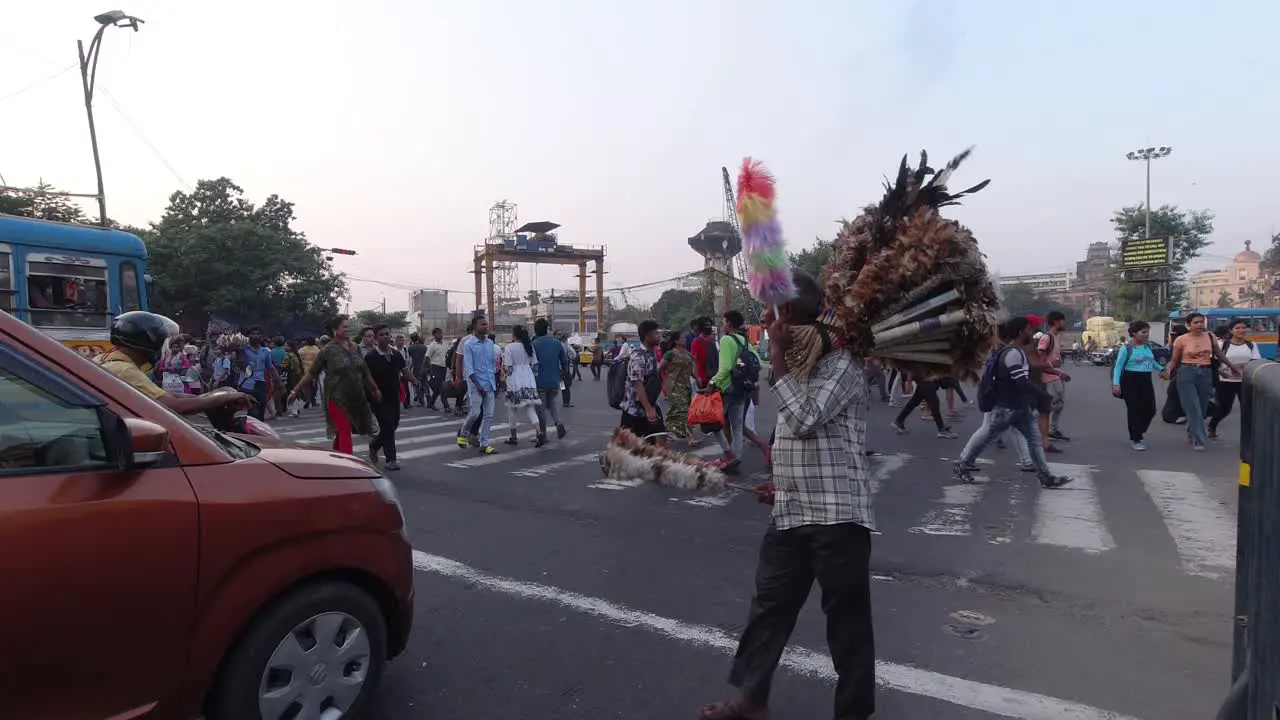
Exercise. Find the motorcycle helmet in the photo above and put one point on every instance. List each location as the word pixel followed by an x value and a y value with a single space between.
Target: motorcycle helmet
pixel 144 331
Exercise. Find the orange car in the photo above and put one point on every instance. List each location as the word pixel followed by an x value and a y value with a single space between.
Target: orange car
pixel 151 568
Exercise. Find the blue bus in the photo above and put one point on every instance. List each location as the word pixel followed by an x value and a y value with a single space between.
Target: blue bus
pixel 1263 323
pixel 69 280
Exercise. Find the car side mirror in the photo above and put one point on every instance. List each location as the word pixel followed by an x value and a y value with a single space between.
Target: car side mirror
pixel 147 443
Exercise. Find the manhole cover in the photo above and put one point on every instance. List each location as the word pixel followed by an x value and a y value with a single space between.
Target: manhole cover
pixel 971 617
pixel 964 632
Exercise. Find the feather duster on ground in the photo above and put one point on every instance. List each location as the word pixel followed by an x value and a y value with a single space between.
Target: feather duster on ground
pixel 628 457
pixel 910 286
pixel 768 266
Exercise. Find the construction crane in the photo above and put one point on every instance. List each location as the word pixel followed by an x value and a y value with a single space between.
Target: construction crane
pixel 749 306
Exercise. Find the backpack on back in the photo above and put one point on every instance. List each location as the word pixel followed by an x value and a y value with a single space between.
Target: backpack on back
pixel 989 384
pixel 616 382
pixel 746 369
pixel 450 355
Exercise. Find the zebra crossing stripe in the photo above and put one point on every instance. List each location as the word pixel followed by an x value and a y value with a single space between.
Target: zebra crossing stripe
pixel 401 440
pixel 1071 516
pixel 1201 526
pixel 886 465
pixel 509 456
pixel 540 470
pixel 953 518
pixel 318 431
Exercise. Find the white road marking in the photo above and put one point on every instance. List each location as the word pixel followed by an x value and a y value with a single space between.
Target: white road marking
pixel 1071 516
pixel 402 439
pixel 318 430
pixel 886 465
pixel 512 455
pixel 1201 526
pixel 952 518
pixel 616 484
pixel 812 664
pixel 540 470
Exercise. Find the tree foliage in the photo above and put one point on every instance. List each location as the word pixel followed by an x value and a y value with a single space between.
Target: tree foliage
pixel 215 252
pixel 1271 256
pixel 1189 232
pixel 812 260
pixel 394 320
pixel 675 309
pixel 1022 300
pixel 43 202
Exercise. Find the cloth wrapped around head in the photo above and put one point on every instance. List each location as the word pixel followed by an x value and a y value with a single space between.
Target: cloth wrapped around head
pixel 811 337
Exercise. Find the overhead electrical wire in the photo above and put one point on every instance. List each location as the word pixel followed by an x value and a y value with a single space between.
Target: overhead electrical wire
pixel 37 83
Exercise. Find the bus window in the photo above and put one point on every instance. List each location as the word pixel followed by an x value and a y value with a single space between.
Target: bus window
pixel 67 296
pixel 1262 324
pixel 6 282
pixel 130 295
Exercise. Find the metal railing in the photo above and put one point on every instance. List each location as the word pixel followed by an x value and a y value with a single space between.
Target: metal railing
pixel 1255 657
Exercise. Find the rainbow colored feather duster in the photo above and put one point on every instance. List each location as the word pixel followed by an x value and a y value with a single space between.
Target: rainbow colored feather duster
pixel 768 267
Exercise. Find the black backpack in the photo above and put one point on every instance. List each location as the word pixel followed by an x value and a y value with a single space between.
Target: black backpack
pixel 745 376
pixel 451 355
pixel 616 382
pixel 989 383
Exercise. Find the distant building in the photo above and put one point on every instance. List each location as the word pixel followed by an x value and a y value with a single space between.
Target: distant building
pixel 429 309
pixel 1041 282
pixel 1096 265
pixel 1240 281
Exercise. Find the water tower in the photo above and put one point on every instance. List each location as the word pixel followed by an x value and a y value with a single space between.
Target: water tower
pixel 718 243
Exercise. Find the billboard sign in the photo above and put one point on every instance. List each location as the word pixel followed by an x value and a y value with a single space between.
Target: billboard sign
pixel 1144 253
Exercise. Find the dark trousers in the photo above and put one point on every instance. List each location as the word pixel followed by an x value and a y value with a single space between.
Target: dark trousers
pixel 1139 401
pixel 838 557
pixel 388 414
pixel 259 393
pixel 595 371
pixel 1225 397
pixel 434 383
pixel 926 392
pixel 568 383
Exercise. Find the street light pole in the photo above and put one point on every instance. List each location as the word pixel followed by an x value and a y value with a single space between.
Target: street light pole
pixel 88 78
pixel 1146 155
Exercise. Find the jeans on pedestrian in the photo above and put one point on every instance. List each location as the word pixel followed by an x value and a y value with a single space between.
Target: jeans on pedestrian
pixel 259 394
pixel 479 407
pixel 1195 385
pixel 735 419
pixel 1019 446
pixel 565 394
pixel 549 406
pixel 1021 420
pixel 876 380
pixel 838 557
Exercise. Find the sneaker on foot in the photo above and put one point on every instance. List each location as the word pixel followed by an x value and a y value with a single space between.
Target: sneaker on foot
pixel 1197 447
pixel 540 440
pixel 1053 483
pixel 947 434
pixel 1028 467
pixel 1139 445
pixel 488 450
pixel 393 465
pixel 902 430
pixel 1057 435
pixel 561 432
pixel 462 441
pixel 512 440
pixel 1052 450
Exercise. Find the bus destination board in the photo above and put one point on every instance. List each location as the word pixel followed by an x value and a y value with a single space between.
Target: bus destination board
pixel 1146 252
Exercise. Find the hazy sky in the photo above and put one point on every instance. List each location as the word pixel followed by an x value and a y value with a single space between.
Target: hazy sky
pixel 394 125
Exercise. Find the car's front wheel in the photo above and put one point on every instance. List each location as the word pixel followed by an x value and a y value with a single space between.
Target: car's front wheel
pixel 317 654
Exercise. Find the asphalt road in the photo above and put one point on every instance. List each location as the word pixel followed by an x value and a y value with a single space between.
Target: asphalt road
pixel 545 592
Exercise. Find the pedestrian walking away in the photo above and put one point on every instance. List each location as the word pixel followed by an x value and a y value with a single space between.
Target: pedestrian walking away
pixel 1192 369
pixel 821 523
pixel 479 368
pixel 926 391
pixel 1005 395
pixel 552 365
pixel 347 387
pixel 1131 382
pixel 734 381
pixel 567 372
pixel 522 387
pixel 1239 351
pixel 437 368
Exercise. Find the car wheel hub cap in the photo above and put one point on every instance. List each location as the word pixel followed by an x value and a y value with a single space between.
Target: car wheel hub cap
pixel 317 670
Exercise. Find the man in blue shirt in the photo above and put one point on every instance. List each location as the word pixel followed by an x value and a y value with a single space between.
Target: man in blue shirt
pixel 553 364
pixel 261 367
pixel 479 366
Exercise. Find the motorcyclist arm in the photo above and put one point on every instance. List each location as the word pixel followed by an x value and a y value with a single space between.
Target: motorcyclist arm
pixel 196 404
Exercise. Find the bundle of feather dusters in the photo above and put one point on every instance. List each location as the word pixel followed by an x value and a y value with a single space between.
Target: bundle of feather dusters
pixel 908 285
pixel 231 342
pixel 629 457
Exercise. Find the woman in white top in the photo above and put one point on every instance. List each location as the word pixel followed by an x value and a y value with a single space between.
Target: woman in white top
pixel 1239 351
pixel 522 385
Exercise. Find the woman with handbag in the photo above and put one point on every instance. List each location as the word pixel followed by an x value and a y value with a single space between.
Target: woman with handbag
pixel 1131 381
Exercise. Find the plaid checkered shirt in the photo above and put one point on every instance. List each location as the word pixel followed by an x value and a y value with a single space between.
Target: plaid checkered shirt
pixel 819 468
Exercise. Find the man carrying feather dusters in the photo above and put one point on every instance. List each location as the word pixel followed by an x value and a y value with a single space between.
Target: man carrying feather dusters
pixel 821 523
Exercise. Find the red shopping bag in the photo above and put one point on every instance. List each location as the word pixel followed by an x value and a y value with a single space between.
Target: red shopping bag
pixel 706 409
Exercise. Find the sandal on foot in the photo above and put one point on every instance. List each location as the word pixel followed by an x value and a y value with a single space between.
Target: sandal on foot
pixel 511 440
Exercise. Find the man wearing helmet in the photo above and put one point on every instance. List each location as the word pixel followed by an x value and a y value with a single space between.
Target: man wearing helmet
pixel 139 338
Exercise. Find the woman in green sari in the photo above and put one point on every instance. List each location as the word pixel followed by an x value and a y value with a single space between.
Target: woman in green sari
pixel 677 372
pixel 346 380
